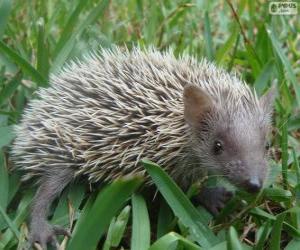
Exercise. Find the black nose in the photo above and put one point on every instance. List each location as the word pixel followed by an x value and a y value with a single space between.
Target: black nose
pixel 253 185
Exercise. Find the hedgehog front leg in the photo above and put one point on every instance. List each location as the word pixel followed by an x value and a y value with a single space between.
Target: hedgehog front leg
pixel 213 198
pixel 40 231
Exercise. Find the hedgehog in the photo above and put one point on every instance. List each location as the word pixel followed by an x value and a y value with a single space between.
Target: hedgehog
pixel 102 114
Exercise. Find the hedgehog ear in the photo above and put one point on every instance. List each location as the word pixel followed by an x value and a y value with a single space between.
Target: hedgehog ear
pixel 196 104
pixel 268 99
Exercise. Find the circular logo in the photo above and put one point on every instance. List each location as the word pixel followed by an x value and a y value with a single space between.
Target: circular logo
pixel 273 7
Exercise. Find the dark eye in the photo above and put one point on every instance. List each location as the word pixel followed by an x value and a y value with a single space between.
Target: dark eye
pixel 218 147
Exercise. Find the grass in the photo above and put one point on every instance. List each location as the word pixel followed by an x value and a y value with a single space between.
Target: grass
pixel 38 37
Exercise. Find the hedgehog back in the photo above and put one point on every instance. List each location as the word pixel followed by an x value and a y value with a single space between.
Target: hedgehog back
pixel 101 115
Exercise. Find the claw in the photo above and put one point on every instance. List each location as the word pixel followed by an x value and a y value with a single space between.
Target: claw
pixel 58 230
pixel 214 199
pixel 54 242
pixel 43 233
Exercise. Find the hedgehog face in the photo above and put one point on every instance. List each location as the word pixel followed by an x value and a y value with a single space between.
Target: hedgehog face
pixel 238 150
pixel 231 143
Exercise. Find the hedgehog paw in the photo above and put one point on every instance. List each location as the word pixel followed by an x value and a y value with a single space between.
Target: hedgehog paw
pixel 214 199
pixel 43 233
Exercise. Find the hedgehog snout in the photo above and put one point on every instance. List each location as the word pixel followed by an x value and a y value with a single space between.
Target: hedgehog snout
pixel 257 176
pixel 253 185
pixel 248 178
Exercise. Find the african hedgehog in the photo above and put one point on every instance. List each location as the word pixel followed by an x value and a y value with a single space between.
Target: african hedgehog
pixel 100 116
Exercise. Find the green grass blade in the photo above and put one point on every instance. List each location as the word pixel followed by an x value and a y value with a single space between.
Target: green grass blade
pixel 208 38
pixel 21 214
pixel 165 220
pixel 116 229
pixel 233 241
pixel 140 238
pixel 4 14
pixel 276 232
pixel 68 45
pixel 10 223
pixel 108 244
pixel 284 149
pixel 93 222
pixel 69 27
pixel 23 64
pixel 293 245
pixel 220 246
pixel 277 194
pixel 152 16
pixel 14 184
pixel 139 9
pixel 71 198
pixel 223 51
pixel 3 182
pixel 294 123
pixel 259 213
pixel 97 12
pixel 253 60
pixel 264 77
pixel 181 205
pixel 174 241
pixel 235 49
pixel 10 88
pixel 6 135
pixel 296 216
pixel 42 50
pixel 262 214
pixel 285 61
pixel 264 235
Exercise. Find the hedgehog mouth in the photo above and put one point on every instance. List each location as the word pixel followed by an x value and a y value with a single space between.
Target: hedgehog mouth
pixel 250 186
